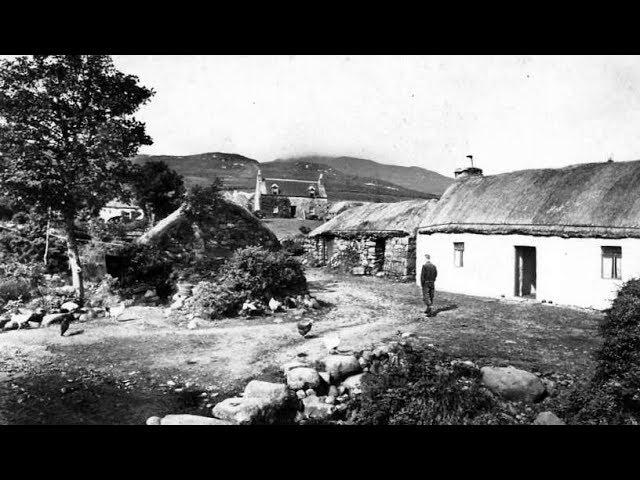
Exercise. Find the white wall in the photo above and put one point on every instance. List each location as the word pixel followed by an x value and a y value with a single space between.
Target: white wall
pixel 568 270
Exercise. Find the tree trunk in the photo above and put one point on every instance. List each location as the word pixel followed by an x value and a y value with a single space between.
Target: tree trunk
pixel 74 259
pixel 162 227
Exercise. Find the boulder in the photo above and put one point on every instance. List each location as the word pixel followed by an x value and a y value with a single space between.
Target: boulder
pixel 353 384
pixel 69 306
pixel 52 318
pixel 316 408
pixel 149 294
pixel 276 393
pixel 341 366
pixel 512 383
pixel 11 325
pixel 293 364
pixel 241 410
pixel 547 418
pixel 357 270
pixel 153 421
pixel 186 419
pixel 21 318
pixel 302 378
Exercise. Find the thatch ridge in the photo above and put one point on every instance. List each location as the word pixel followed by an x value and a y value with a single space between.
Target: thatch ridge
pixel 586 200
pixel 383 219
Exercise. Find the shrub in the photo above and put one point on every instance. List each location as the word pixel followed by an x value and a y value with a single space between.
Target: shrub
pixel 613 394
pixel 346 259
pixel 13 289
pixel 304 229
pixel 421 387
pixel 252 273
pixel 293 247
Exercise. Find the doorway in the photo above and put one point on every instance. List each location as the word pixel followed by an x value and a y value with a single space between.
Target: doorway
pixel 328 244
pixel 293 211
pixel 525 272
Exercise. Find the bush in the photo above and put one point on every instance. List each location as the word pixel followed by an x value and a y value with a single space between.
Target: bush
pixel 148 265
pixel 346 259
pixel 304 229
pixel 421 387
pixel 293 247
pixel 13 289
pixel 613 394
pixel 252 273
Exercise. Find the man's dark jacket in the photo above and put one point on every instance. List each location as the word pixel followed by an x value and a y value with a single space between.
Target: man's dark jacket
pixel 428 274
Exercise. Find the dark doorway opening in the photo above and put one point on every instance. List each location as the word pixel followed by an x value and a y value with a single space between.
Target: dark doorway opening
pixel 379 261
pixel 525 272
pixel 328 245
pixel 293 211
pixel 116 266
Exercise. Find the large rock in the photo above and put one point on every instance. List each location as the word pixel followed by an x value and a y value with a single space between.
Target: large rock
pixel 302 378
pixel 241 410
pixel 22 318
pixel 275 305
pixel 341 366
pixel 512 383
pixel 276 393
pixel 192 420
pixel 52 318
pixel 316 408
pixel 547 418
pixel 69 306
pixel 353 384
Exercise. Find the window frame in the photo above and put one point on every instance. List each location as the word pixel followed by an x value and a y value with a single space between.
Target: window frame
pixel 614 253
pixel 458 247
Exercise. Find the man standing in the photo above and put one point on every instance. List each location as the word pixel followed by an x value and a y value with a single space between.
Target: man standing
pixel 428 281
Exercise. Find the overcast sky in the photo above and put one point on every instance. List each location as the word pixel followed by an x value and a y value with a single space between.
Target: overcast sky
pixel 509 112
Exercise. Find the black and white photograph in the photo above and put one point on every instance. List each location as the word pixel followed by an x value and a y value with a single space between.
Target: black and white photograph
pixel 319 240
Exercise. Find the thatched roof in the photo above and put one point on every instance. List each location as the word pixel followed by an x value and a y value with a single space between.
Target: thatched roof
pixel 383 219
pixel 587 200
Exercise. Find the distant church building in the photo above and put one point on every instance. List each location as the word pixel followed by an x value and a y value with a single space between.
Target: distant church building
pixel 286 198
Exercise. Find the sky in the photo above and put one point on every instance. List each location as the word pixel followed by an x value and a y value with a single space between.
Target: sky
pixel 509 112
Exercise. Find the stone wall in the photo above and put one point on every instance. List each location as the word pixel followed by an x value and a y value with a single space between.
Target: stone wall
pixel 395 256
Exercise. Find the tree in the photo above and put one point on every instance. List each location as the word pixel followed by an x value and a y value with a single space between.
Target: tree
pixel 157 188
pixel 66 133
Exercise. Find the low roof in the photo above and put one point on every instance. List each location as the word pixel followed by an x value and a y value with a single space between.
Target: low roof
pixel 399 218
pixel 587 200
pixel 293 188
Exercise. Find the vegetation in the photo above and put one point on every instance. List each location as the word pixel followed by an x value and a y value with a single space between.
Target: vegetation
pixel 252 273
pixel 612 396
pixel 66 134
pixel 157 189
pixel 293 246
pixel 421 386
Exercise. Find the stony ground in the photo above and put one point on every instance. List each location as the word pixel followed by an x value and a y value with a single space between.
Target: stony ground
pixel 121 372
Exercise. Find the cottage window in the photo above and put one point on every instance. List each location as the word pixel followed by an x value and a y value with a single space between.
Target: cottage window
pixel 275 190
pixel 612 262
pixel 458 253
pixel 312 191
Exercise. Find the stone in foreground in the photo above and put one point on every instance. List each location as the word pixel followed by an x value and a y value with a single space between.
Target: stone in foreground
pixel 192 420
pixel 512 383
pixel 317 408
pixel 547 418
pixel 353 384
pixel 341 366
pixel 276 393
pixel 303 378
pixel 241 410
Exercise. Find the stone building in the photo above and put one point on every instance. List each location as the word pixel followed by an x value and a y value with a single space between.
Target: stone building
pixel 287 198
pixel 116 209
pixel 373 238
pixel 568 235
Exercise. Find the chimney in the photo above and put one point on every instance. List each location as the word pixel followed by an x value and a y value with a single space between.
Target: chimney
pixel 470 171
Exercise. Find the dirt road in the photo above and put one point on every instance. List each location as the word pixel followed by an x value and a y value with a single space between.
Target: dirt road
pixel 117 372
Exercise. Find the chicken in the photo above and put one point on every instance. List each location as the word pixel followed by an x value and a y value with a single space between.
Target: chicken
pixel 304 327
pixel 64 324
pixel 331 342
pixel 116 311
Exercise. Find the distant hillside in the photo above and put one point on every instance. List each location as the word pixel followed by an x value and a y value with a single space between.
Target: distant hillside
pixel 413 178
pixel 234 170
pixel 239 172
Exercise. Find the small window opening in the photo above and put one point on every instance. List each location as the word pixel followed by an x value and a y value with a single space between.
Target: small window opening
pixel 458 254
pixel 612 262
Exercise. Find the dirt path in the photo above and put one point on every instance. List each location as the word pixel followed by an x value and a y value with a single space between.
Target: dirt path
pixel 117 372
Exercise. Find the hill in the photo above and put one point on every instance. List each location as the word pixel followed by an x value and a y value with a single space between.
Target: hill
pixel 412 178
pixel 239 172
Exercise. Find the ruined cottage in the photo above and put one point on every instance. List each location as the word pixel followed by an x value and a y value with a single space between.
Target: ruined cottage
pixel 383 235
pixel 569 235
pixel 287 198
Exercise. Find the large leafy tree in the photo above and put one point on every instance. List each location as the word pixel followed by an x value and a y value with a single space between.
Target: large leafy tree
pixel 158 189
pixel 66 133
